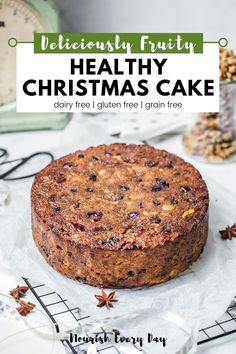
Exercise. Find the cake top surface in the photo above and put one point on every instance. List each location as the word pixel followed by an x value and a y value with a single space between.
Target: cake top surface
pixel 120 197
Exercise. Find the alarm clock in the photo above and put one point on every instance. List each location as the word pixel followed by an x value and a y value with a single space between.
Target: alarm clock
pixel 20 19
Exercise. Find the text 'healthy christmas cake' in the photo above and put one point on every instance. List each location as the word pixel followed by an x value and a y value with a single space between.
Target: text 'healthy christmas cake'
pixel 120 215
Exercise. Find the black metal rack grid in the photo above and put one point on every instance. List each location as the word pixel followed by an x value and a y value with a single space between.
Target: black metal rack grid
pixel 55 306
pixel 224 326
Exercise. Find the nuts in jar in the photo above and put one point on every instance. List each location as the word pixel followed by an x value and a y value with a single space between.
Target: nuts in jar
pixel 213 137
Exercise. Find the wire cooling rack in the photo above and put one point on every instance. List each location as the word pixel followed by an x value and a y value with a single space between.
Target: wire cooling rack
pixel 60 310
pixel 225 326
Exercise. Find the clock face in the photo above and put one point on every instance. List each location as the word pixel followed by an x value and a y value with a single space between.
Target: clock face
pixel 17 19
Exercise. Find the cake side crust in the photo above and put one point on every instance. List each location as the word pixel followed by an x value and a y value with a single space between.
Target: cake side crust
pixel 123 268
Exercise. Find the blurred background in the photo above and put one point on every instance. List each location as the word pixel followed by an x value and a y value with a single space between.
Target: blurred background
pixel 216 18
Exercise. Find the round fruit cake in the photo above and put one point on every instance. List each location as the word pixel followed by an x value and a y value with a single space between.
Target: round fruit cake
pixel 120 215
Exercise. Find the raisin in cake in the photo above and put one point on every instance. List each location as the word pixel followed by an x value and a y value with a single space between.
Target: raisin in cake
pixel 120 215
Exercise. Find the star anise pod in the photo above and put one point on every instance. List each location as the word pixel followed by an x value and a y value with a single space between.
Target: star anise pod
pixel 19 292
pixel 228 233
pixel 106 299
pixel 25 307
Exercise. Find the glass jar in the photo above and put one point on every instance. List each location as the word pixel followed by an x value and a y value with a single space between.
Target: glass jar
pixel 212 138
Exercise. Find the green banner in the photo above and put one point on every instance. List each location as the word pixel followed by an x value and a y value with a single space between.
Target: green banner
pixel 122 43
